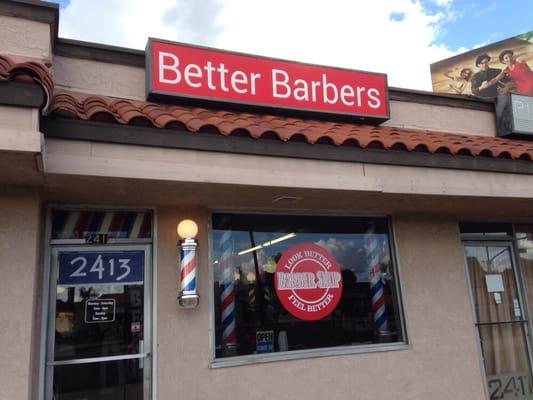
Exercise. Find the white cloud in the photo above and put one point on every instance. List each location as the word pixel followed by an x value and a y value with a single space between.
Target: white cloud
pixel 116 22
pixel 341 33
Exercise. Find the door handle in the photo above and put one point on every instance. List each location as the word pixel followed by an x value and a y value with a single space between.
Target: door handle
pixel 516 308
pixel 141 351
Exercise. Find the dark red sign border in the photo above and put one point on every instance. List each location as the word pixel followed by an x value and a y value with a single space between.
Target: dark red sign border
pixel 185 99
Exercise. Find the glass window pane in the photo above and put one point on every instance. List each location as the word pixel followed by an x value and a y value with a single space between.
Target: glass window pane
pixel 250 318
pixel 524 240
pixel 506 364
pixel 83 331
pixel 504 348
pixel 490 267
pixel 113 380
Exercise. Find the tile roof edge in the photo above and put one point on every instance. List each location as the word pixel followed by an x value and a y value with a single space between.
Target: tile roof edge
pixel 28 69
pixel 99 108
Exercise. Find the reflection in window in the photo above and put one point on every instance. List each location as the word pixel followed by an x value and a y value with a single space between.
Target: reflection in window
pixel 249 316
pixel 111 380
pixel 77 337
pixel 524 241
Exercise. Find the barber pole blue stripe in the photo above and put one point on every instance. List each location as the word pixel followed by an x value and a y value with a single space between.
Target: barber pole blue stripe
pixel 59 219
pixel 95 221
pixel 126 225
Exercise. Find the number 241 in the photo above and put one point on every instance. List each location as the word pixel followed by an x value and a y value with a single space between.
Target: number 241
pixel 98 267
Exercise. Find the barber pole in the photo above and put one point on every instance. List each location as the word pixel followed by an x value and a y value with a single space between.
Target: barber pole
pixel 227 290
pixel 188 297
pixel 251 297
pixel 188 267
pixel 376 282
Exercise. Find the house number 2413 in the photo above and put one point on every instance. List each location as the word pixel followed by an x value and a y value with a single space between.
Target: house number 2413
pixel 118 269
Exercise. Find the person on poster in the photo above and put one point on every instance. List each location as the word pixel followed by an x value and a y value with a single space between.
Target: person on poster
pixel 459 83
pixel 518 71
pixel 484 83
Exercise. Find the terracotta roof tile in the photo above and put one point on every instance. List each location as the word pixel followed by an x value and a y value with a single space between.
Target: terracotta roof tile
pixel 28 70
pixel 194 119
pixel 260 126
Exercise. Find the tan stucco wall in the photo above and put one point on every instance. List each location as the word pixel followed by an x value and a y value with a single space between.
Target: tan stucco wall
pixel 102 159
pixel 24 37
pixel 441 361
pixel 19 129
pixel 19 249
pixel 99 78
pixel 127 161
pixel 442 119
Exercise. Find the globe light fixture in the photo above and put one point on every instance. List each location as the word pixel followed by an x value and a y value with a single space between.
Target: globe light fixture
pixel 187 229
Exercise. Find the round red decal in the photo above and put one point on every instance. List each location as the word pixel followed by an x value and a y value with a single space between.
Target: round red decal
pixel 308 281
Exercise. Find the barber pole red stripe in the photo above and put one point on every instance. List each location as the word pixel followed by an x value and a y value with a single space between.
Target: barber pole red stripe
pixel 146 227
pixel 83 224
pixel 116 222
pixel 376 281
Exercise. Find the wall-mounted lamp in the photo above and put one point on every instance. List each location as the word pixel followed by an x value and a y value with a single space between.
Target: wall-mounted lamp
pixel 187 231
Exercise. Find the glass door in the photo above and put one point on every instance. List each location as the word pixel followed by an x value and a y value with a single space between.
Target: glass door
pixel 99 323
pixel 500 320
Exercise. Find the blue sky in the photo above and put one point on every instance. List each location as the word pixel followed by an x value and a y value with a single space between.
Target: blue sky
pixel 397 37
pixel 489 21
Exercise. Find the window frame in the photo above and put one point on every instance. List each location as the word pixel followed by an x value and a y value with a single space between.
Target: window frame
pixel 247 359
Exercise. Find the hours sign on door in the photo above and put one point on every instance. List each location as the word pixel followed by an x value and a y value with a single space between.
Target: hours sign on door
pixel 101 267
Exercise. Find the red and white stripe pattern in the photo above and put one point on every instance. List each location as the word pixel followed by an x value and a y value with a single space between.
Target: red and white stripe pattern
pixel 227 288
pixel 117 224
pixel 188 268
pixel 376 281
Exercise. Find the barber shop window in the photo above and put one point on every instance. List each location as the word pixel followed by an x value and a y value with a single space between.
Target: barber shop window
pixel 295 284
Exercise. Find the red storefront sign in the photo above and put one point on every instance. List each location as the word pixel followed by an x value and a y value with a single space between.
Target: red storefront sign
pixel 195 74
pixel 308 281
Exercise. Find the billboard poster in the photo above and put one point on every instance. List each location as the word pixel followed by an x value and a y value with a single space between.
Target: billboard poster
pixel 498 68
